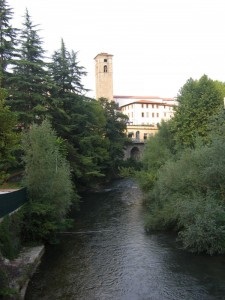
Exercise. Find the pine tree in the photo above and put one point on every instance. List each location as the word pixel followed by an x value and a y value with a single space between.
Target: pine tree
pixel 66 93
pixel 29 82
pixel 66 72
pixel 8 36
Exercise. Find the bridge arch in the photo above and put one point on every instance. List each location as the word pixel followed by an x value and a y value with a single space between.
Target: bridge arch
pixel 135 153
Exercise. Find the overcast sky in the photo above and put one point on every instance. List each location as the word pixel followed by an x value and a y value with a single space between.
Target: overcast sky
pixel 156 44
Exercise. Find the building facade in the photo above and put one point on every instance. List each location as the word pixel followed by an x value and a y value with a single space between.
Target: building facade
pixel 144 112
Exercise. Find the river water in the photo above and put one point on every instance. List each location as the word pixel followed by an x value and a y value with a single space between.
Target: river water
pixel 108 255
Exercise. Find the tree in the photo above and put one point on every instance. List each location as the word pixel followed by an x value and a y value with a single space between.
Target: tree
pixel 188 197
pixel 77 119
pixel 7 42
pixel 114 132
pixel 48 181
pixel 9 139
pixel 198 100
pixel 29 83
pixel 65 102
pixel 158 150
pixel 65 71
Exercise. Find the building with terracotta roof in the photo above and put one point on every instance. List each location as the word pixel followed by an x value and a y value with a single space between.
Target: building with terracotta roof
pixel 144 112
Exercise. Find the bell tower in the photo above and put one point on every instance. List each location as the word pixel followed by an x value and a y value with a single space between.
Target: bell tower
pixel 104 76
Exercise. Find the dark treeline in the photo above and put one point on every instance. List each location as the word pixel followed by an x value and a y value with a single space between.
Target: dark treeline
pixel 63 141
pixel 184 169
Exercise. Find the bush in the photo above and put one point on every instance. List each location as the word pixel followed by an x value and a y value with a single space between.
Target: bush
pixel 203 223
pixel 188 196
pixel 48 181
pixel 129 168
pixel 10 235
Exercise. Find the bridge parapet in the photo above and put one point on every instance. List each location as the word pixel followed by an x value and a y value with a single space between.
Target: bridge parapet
pixel 139 141
pixel 134 150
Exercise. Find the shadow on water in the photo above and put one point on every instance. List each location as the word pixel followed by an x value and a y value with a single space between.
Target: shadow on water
pixel 108 255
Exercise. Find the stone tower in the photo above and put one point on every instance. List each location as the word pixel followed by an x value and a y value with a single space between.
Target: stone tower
pixel 104 76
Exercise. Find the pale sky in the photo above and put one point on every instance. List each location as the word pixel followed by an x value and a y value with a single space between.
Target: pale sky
pixel 157 45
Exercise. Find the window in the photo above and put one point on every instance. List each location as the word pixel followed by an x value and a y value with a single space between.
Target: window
pixel 142 105
pixel 130 134
pixel 105 69
pixel 153 115
pixel 157 115
pixel 164 114
pixel 145 136
pixel 105 59
pixel 137 135
pixel 157 106
pixel 152 105
pixel 142 114
pixel 147 105
pixel 147 114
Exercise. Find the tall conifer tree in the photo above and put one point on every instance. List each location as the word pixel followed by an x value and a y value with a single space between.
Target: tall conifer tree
pixel 66 72
pixel 29 82
pixel 7 42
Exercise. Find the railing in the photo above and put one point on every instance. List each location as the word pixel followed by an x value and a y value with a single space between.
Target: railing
pixel 136 141
pixel 11 201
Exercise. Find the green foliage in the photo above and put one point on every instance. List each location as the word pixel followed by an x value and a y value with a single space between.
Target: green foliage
pixel 65 72
pixel 189 197
pixel 4 281
pixel 40 223
pixel 129 168
pixel 10 235
pixel 198 100
pixel 114 133
pixel 48 181
pixel 202 222
pixel 29 83
pixel 7 42
pixel 184 167
pixel 9 139
pixel 158 150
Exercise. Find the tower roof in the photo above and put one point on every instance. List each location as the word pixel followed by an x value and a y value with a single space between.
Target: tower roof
pixel 103 54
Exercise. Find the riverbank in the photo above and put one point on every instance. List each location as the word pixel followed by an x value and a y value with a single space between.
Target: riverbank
pixel 109 255
pixel 20 270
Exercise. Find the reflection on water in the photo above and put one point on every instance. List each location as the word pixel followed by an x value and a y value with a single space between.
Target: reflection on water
pixel 108 255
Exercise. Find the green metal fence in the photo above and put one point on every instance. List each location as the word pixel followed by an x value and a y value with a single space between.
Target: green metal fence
pixel 12 201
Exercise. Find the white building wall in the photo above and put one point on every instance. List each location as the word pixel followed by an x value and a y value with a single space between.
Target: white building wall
pixel 147 113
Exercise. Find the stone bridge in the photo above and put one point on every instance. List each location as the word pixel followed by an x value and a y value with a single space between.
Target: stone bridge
pixel 134 150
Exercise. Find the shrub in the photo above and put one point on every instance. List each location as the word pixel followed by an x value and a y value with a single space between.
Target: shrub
pixel 188 196
pixel 203 223
pixel 10 236
pixel 48 181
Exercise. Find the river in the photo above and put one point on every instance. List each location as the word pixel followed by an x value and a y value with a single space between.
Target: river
pixel 109 256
